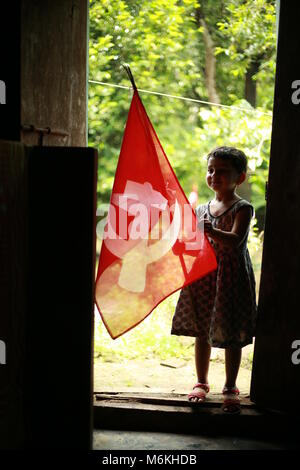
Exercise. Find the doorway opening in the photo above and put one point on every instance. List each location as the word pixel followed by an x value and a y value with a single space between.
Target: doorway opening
pixel 178 49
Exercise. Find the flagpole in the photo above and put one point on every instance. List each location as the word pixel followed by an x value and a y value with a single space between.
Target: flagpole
pixel 183 265
pixel 130 76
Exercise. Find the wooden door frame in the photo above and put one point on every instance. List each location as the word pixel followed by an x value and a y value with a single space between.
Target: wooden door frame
pixel 275 380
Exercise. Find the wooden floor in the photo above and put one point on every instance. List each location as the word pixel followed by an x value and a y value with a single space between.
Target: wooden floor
pixel 173 413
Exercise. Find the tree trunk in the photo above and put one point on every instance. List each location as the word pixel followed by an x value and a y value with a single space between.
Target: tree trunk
pixel 250 83
pixel 210 59
pixel 210 64
pixel 250 95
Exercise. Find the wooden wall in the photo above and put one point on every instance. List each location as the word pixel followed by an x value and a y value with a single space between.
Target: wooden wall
pixel 54 58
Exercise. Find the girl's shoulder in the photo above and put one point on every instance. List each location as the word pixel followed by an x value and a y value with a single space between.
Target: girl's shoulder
pixel 243 203
pixel 201 209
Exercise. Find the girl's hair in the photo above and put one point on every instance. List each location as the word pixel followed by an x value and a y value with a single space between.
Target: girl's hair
pixel 236 157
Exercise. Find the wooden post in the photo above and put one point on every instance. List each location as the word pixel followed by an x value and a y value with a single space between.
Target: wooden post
pixel 59 348
pixel 54 57
pixel 276 375
pixel 47 275
pixel 10 52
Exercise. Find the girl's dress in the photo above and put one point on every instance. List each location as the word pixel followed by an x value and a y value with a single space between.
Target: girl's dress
pixel 221 306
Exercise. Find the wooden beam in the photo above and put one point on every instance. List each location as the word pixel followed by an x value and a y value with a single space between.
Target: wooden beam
pixel 169 413
pixel 174 399
pixel 275 377
pixel 10 80
pixel 54 57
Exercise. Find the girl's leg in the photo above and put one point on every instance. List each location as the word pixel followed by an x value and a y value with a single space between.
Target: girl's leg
pixel 202 357
pixel 231 402
pixel 232 364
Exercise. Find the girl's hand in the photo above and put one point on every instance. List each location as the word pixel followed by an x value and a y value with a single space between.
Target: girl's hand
pixel 206 225
pixel 208 228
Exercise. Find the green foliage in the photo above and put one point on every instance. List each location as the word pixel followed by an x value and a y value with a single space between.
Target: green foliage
pixel 250 30
pixel 164 47
pixel 250 132
pixel 154 39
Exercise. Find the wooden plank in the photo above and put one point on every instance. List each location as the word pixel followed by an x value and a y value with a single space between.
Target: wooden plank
pixel 192 408
pixel 197 419
pixel 275 378
pixel 54 70
pixel 213 400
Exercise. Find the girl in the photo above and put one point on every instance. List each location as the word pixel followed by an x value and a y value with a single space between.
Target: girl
pixel 220 308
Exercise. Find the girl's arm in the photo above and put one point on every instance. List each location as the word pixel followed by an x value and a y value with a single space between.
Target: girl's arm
pixel 236 236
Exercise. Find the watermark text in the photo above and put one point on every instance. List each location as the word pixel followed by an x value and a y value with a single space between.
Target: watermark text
pixel 296 354
pixel 2 92
pixel 296 94
pixel 2 352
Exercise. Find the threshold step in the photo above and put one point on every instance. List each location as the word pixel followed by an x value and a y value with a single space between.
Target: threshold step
pixel 174 413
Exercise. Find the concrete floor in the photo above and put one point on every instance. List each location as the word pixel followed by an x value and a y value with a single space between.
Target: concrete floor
pixel 134 440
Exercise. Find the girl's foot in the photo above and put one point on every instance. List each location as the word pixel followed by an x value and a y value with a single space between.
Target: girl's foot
pixel 199 393
pixel 231 401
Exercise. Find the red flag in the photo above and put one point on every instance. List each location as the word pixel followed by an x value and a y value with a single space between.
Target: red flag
pixel 151 244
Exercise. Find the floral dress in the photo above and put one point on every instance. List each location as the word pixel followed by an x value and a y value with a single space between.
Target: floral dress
pixel 221 306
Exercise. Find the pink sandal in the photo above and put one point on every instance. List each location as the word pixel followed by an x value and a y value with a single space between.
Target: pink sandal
pixel 231 401
pixel 200 394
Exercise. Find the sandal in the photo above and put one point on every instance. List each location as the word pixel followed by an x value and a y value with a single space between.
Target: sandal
pixel 231 401
pixel 200 394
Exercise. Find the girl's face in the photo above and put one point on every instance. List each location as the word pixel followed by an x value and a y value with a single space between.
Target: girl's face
pixel 221 176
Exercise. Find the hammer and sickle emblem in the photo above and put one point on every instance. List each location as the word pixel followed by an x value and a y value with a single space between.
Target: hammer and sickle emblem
pixel 136 256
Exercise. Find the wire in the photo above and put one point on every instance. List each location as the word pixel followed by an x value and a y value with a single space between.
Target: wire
pixel 183 98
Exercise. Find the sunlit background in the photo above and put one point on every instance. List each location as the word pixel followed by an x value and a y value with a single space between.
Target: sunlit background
pixel 222 52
